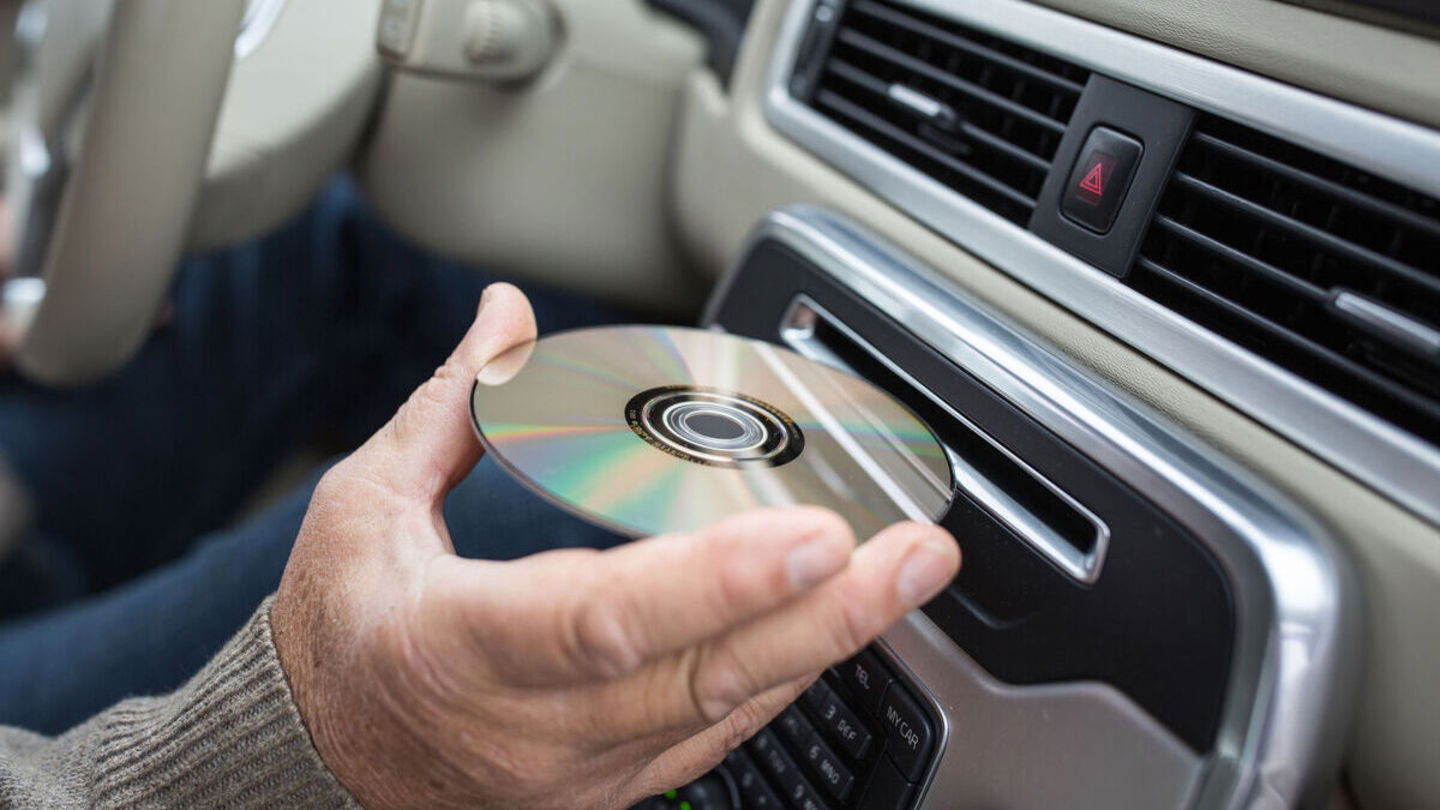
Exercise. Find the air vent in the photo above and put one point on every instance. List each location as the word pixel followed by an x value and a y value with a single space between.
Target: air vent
pixel 980 114
pixel 1316 265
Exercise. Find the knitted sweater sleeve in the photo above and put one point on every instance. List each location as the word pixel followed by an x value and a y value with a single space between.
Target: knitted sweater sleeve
pixel 231 737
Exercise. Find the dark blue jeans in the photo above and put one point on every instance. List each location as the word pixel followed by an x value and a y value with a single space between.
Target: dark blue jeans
pixel 317 332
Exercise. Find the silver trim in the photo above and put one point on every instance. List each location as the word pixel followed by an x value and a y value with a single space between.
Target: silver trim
pixel 1398 325
pixel 260 17
pixel 1082 566
pixel 1036 747
pixel 917 102
pixel 1294 667
pixel 1394 462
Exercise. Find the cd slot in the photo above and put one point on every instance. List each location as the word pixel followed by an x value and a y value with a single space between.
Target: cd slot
pixel 1051 522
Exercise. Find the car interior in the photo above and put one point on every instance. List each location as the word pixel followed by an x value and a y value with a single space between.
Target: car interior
pixel 1163 276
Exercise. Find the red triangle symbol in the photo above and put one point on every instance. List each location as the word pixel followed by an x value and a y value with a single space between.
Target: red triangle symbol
pixel 1094 181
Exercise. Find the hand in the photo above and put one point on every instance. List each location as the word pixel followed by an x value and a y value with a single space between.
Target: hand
pixel 570 679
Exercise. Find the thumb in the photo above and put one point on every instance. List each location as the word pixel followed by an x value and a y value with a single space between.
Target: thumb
pixel 428 446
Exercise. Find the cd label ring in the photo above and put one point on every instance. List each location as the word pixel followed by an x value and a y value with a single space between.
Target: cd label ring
pixel 713 427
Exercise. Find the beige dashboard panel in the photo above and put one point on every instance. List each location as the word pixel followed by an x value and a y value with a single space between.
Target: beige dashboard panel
pixel 560 180
pixel 731 168
pixel 1365 64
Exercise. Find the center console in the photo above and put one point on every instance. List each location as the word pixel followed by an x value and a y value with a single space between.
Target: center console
pixel 1138 623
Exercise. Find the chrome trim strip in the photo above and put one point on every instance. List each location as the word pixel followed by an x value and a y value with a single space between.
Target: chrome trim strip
pixel 1295 663
pixel 1394 462
pixel 1398 325
pixel 1081 566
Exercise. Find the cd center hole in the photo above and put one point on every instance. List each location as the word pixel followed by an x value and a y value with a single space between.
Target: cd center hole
pixel 714 425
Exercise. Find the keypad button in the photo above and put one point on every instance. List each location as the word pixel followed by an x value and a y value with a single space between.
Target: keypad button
pixel 773 760
pixel 818 693
pixel 801 796
pixel 868 679
pixel 844 727
pixel 827 768
pixel 709 792
pixel 755 792
pixel 794 727
pixel 887 789
pixel 909 738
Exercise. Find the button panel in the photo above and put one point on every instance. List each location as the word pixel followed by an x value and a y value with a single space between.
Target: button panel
pixel 859 738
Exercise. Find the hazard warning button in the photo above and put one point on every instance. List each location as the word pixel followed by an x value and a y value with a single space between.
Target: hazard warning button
pixel 1098 183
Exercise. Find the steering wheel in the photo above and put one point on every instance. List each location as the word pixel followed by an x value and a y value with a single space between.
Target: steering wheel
pixel 114 114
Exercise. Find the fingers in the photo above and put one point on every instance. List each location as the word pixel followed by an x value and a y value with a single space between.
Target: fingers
pixel 576 618
pixel 692 757
pixel 429 445
pixel 895 572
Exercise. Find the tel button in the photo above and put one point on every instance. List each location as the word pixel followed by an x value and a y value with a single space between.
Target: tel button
pixel 867 678
pixel 909 738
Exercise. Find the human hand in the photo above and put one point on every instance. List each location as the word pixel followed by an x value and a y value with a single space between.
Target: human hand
pixel 574 678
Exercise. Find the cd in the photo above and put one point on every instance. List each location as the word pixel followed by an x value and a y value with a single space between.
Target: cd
pixel 649 430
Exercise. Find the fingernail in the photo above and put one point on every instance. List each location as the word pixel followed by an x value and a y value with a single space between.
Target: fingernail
pixel 816 561
pixel 925 571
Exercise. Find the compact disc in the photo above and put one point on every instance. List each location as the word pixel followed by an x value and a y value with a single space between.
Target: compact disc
pixel 648 430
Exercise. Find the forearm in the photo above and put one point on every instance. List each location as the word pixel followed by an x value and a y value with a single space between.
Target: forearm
pixel 230 737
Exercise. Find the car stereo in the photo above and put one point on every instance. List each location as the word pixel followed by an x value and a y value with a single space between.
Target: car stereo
pixel 1139 623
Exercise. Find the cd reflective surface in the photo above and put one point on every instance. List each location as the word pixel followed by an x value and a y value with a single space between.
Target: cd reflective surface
pixel 648 430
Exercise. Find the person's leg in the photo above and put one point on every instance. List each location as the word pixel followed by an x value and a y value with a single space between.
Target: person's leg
pixel 150 635
pixel 125 472
pixel 326 325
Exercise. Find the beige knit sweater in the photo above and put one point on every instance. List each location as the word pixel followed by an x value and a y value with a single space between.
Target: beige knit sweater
pixel 231 737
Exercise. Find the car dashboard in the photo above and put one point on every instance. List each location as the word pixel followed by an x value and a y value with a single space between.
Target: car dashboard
pixel 1161 275
pixel 1181 530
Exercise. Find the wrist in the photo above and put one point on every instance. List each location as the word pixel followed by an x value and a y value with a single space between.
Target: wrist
pixel 365 720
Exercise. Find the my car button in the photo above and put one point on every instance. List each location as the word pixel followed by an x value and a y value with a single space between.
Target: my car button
pixel 908 735
pixel 1100 179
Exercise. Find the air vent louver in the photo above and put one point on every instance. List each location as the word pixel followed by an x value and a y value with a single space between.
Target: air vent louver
pixel 1316 265
pixel 980 114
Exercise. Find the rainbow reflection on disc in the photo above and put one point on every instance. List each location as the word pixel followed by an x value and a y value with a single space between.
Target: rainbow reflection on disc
pixel 648 430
